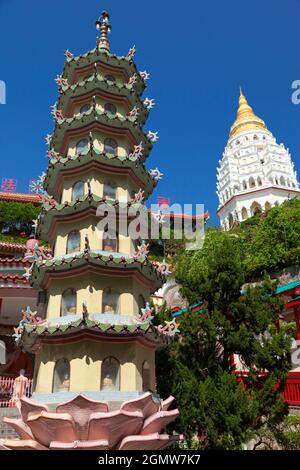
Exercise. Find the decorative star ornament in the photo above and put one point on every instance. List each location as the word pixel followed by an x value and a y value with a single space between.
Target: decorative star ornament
pixel 145 75
pixel 149 103
pixel 134 113
pixel 60 81
pixel 137 151
pixel 156 174
pixel 159 217
pixel 133 79
pixel 131 53
pixel 68 54
pixel 152 136
pixel 27 273
pixel 48 139
pixel 53 154
pixel 138 197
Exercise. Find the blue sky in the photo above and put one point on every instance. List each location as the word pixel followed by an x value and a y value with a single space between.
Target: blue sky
pixel 198 54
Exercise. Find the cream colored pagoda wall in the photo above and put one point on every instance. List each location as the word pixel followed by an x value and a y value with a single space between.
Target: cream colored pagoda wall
pixel 86 359
pixel 89 288
pixel 125 188
pixel 87 227
pixel 100 102
pixel 124 147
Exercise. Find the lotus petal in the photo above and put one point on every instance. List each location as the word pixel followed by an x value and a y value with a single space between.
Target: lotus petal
pixel 157 422
pixel 115 425
pixel 20 427
pixel 149 442
pixel 166 403
pixel 15 444
pixel 80 445
pixel 145 404
pixel 81 408
pixel 27 406
pixel 48 427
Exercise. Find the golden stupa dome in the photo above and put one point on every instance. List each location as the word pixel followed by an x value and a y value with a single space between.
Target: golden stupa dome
pixel 245 118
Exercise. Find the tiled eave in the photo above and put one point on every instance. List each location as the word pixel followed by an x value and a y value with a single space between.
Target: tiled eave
pixel 109 265
pixel 94 120
pixel 82 208
pixel 95 159
pixel 117 63
pixel 96 85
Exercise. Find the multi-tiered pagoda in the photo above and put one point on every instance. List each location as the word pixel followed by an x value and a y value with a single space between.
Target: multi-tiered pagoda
pixel 95 349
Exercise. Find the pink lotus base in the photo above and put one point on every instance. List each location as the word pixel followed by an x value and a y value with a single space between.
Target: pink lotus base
pixel 82 423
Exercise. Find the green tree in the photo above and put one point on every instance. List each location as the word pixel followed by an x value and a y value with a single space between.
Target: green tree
pixel 220 412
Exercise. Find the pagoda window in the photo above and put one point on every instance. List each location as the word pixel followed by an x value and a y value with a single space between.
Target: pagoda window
pixel 110 241
pixel 255 137
pixel 110 109
pixel 141 303
pixel 230 220
pixel 110 146
pixel 276 180
pixel 68 302
pixel 146 377
pixel 61 376
pixel 110 374
pixel 109 191
pixel 267 206
pixel 256 208
pixel 85 108
pixel 73 243
pixel 110 301
pixel 110 78
pixel 282 181
pixel 82 146
pixel 251 183
pixel 276 203
pixel 244 185
pixel 244 213
pixel 259 182
pixel 77 190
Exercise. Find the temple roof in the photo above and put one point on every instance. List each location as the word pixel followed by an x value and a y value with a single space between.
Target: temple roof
pixel 20 197
pixel 246 119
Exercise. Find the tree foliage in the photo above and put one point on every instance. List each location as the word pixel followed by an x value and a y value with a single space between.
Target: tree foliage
pixel 214 407
pixel 16 217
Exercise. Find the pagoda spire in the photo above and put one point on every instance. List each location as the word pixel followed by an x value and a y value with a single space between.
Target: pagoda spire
pixel 245 118
pixel 103 25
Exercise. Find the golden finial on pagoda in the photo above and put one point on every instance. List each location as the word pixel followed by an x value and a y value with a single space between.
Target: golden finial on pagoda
pixel 245 118
pixel 103 25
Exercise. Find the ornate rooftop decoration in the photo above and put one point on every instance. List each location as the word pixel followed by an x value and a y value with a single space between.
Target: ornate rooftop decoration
pixel 103 25
pixel 149 103
pixel 246 119
pixel 170 328
pixel 82 423
pixel 131 53
pixel 156 174
pixel 153 136
pixel 68 55
pixel 28 318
